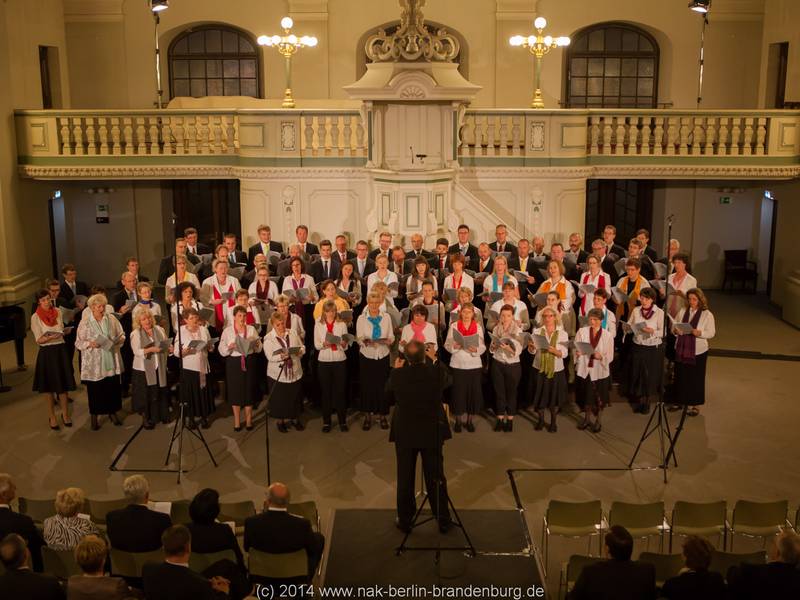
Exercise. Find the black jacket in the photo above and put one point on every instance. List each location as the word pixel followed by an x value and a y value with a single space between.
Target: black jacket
pixel 471 254
pixel 349 255
pixel 316 271
pixel 279 532
pixel 310 248
pixel 12 522
pixel 412 254
pixel 615 580
pixel 215 537
pixel 118 301
pixel 173 582
pixel 375 251
pixel 775 580
pixel 369 268
pixel 25 584
pixel 418 409
pixel 136 528
pixel 695 585
pixel 256 249
pixel 66 292
pixel 201 249
pixel 167 266
pixel 508 248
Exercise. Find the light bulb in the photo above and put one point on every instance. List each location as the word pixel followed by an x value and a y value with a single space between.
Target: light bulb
pixel 515 40
pixel 304 40
pixel 292 39
pixel 286 22
pixel 276 39
pixel 264 40
pixel 548 40
pixel 312 41
pixel 531 40
pixel 540 23
pixel 563 41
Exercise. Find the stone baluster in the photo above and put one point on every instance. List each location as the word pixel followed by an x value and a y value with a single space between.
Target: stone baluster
pixel 335 135
pixel 77 136
pixel 102 133
pixel 347 132
pixel 491 149
pixel 190 133
pixel 116 136
pixel 762 124
pixel 91 137
pixel 308 133
pixel 126 139
pixel 723 143
pixel 621 146
pixel 608 134
pixel 747 145
pixel 179 132
pixel 658 136
pixel 711 132
pixel 167 146
pixel 503 133
pixel 736 135
pixel 153 135
pixel 645 145
pixel 64 145
pixel 322 134
pixel 683 149
pixel 360 135
pixel 140 135
pixel 594 136
pixel 516 143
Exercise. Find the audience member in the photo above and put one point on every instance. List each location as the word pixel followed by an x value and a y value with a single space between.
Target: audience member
pixel 93 583
pixel 11 522
pixel 779 579
pixel 696 582
pixel 136 528
pixel 19 582
pixel 65 529
pixel 207 534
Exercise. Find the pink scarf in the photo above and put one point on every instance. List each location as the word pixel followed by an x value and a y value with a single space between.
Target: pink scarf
pixel 419 332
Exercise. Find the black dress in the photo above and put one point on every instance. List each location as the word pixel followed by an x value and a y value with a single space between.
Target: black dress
pixel 105 396
pixel 242 387
pixel 151 401
pixel 198 398
pixel 646 371
pixel 690 381
pixel 552 392
pixel 53 373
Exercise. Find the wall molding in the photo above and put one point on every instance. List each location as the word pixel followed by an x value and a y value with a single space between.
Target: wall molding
pixel 93 11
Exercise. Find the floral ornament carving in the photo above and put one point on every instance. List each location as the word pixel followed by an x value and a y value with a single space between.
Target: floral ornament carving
pixel 412 91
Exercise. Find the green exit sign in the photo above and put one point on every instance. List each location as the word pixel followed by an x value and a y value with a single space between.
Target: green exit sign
pixel 724 199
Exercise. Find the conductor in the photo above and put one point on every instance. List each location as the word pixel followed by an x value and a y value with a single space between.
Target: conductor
pixel 419 426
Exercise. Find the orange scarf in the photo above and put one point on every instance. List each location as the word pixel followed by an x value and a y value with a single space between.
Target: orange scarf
pixel 633 297
pixel 561 288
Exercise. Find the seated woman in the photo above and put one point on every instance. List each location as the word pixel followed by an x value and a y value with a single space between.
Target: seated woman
pixel 593 381
pixel 93 583
pixel 328 289
pixel 241 369
pixel 150 393
pixel 696 581
pixel 209 536
pixel 65 529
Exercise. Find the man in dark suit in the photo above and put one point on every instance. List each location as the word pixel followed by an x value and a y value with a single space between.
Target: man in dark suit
pixel 606 262
pixel 441 260
pixel 167 265
pixel 341 253
pixel 173 579
pixel 301 233
pixel 537 249
pixel 136 528
pixel 522 261
pixel 419 426
pixel 193 247
pixel 557 254
pixel 325 267
pixel 235 257
pixel 19 581
pixel 132 267
pixel 609 234
pixel 384 246
pixel 579 255
pixel 416 248
pixel 278 532
pixel 264 246
pixel 364 266
pixel 501 243
pixel 124 301
pixel 636 250
pixel 644 236
pixel 779 579
pixel 619 577
pixel 463 246
pixel 11 522
pixel 70 286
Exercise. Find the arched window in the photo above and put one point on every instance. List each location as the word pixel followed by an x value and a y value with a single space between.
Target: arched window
pixel 612 65
pixel 214 60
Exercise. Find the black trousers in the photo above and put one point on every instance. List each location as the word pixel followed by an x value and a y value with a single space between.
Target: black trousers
pixel 333 388
pixel 505 379
pixel 432 461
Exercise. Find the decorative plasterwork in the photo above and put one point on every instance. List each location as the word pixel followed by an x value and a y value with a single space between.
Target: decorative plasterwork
pixel 516 10
pixel 98 11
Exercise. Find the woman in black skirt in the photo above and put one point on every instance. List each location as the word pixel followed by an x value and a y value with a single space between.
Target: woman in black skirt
pixel 53 375
pixel 195 344
pixel 646 371
pixel 284 350
pixel 241 346
pixel 592 369
pixel 375 336
pixel 465 361
pixel 99 340
pixel 691 350
pixel 332 366
pixel 551 378
pixel 150 346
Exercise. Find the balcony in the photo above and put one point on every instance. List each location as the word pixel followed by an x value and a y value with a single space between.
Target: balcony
pixel 247 143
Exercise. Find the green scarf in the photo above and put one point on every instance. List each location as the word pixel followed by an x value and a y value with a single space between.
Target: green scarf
pixel 107 357
pixel 548 360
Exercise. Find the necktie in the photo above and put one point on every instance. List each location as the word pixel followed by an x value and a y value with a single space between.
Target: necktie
pixel 325 267
pixel 343 257
pixel 361 267
pixel 501 247
pixel 232 258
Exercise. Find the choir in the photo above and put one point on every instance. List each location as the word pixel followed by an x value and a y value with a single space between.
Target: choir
pixel 514 326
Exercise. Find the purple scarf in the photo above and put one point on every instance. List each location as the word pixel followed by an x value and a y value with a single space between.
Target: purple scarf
pixel 686 344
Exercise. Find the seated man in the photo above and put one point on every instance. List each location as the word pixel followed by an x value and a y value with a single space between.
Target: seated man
pixel 136 528
pixel 276 531
pixel 696 581
pixel 173 579
pixel 11 522
pixel 19 581
pixel 618 577
pixel 779 579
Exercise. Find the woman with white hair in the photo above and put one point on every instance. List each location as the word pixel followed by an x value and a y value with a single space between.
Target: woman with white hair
pixel 65 529
pixel 99 339
pixel 151 347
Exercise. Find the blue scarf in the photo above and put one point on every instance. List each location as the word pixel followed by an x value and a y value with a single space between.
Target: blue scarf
pixel 604 324
pixel 376 326
pixel 495 286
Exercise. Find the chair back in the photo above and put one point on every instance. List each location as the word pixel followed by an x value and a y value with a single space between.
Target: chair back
pixel 751 517
pixel 563 515
pixel 199 562
pixel 699 518
pixel 98 509
pixel 60 563
pixel 130 564
pixel 307 510
pixel 37 509
pixel 639 519
pixel 735 258
pixel 236 511
pixel 179 512
pixel 576 564
pixel 278 566
pixel 721 562
pixel 667 565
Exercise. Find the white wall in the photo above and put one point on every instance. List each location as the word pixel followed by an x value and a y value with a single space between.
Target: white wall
pixel 787 195
pixel 781 24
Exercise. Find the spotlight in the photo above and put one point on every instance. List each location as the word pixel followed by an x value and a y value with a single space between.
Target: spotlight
pixel 700 6
pixel 159 5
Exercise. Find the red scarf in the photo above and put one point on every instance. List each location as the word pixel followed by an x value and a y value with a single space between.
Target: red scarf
pixel 48 317
pixel 262 293
pixel 299 307
pixel 594 340
pixel 250 319
pixel 329 327
pixel 457 286
pixel 218 311
pixel 419 332
pixel 472 330
pixel 601 283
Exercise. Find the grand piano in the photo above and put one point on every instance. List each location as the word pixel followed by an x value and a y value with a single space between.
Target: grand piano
pixel 13 328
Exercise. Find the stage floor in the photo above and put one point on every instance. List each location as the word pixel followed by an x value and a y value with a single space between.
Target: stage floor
pixel 362 555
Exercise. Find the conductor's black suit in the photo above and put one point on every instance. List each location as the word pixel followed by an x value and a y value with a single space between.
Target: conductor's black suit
pixel 418 413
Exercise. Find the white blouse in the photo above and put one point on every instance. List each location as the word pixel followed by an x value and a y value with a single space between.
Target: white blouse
pixel 138 351
pixel 520 313
pixel 260 310
pixel 675 303
pixel 461 358
pixel 502 356
pixel 275 362
pixel 569 292
pixel 154 307
pixel 190 277
pixel 38 329
pixel 356 290
pixel 601 368
pixel 228 312
pixel 92 358
pixel 419 302
pixel 707 328
pixel 329 354
pixel 295 324
pixel 228 337
pixel 307 282
pixel 656 321
pixel 198 360
pixel 390 277
pixel 466 281
pixel 429 333
pixel 561 344
pixel 174 310
pixel 587 300
pixel 492 284
pixel 414 286
pixel 364 330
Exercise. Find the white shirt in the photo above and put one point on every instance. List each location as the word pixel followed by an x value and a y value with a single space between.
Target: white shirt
pixel 198 360
pixel 675 303
pixel 421 302
pixel 364 330
pixel 461 358
pixel 429 333
pixel 329 354
pixel 521 315
pixel 138 351
pixel 275 362
pixel 587 300
pixel 259 309
pixel 601 368
pixel 190 277
pixel 390 277
pixel 307 282
pixel 569 291
pixel 38 329
pixel 466 282
pixel 656 321
pixel 707 328
pixel 228 336
pixel 174 310
pixel 295 324
pixel 561 344
pixel 502 356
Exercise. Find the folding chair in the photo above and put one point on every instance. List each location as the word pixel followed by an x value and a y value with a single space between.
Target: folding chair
pixel 199 562
pixel 572 520
pixel 98 509
pixel 130 564
pixel 236 512
pixel 700 518
pixel 667 565
pixel 571 570
pixel 307 510
pixel 721 562
pixel 60 563
pixel 278 566
pixel 179 512
pixel 758 519
pixel 641 520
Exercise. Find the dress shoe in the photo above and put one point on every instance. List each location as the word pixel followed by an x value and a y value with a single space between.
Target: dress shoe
pixel 54 427
pixel 95 423
pixel 457 426
pixel 509 425
pixel 65 422
pixel 249 427
pixel 470 427
pixel 298 425
pixel 596 427
pixel 585 424
pixel 326 428
pixel 237 428
pixel 149 425
pixel 384 423
pixel 114 419
pixel 553 427
pixel 500 425
pixel 645 409
pixel 70 399
pixel 539 425
pixel 343 427
pixel 282 427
